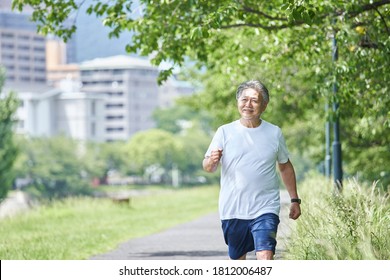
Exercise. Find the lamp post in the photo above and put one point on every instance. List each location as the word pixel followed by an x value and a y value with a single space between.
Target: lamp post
pixel 327 144
pixel 336 145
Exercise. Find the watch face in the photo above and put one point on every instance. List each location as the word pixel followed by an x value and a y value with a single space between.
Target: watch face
pixel 296 200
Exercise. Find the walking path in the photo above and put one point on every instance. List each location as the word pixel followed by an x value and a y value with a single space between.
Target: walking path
pixel 198 240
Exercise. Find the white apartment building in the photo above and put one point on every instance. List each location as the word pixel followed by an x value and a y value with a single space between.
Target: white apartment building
pixel 130 85
pixel 64 110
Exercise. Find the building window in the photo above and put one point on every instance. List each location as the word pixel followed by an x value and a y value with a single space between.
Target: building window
pixel 23 37
pixel 24 57
pixel 109 117
pixel 23 47
pixel 40 49
pixel 39 59
pixel 93 128
pixel 7 35
pixel 115 105
pixel 113 129
pixel 117 71
pixel 7 46
pixel 9 56
pixel 93 108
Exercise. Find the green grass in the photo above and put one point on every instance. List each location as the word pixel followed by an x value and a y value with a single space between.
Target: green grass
pixel 78 228
pixel 353 225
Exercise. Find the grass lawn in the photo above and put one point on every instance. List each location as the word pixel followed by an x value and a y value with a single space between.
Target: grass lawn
pixel 77 228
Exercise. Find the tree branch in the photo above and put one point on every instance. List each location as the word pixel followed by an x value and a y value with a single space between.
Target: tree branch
pixel 368 7
pixel 262 26
pixel 364 8
pixel 250 10
pixel 383 20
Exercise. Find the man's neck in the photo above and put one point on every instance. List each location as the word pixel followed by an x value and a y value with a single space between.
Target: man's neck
pixel 252 123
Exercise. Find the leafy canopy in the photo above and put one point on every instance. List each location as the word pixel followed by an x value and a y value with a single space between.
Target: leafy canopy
pixel 287 43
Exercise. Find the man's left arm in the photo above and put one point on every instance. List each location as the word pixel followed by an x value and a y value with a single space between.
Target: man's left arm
pixel 288 176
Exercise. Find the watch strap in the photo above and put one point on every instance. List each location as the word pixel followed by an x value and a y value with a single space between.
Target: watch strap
pixel 297 200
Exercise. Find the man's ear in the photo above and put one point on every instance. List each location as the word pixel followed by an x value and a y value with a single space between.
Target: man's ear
pixel 264 106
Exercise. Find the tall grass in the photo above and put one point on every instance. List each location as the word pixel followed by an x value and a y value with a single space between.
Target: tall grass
pixel 351 225
pixel 81 227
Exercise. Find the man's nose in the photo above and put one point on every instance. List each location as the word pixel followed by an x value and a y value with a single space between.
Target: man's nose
pixel 248 103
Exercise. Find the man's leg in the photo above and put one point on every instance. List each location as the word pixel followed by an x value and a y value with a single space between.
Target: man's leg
pixel 264 230
pixel 265 255
pixel 238 237
pixel 243 257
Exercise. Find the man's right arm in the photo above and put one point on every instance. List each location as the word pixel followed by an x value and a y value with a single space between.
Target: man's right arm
pixel 210 163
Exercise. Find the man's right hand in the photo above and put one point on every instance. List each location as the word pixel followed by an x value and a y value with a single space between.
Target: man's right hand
pixel 216 155
pixel 210 163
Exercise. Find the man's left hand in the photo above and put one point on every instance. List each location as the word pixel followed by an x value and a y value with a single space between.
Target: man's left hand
pixel 295 211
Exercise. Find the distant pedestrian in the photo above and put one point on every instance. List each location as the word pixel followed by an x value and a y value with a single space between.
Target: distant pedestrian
pixel 248 150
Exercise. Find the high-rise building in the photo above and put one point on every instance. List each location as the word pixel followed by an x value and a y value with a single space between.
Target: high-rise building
pixel 130 85
pixel 121 89
pixel 57 66
pixel 22 50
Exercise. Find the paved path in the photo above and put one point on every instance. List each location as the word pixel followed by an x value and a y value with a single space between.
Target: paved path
pixel 198 240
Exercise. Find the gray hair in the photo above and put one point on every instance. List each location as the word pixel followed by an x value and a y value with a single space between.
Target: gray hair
pixel 258 86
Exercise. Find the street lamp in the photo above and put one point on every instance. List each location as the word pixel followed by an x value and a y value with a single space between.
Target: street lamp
pixel 336 145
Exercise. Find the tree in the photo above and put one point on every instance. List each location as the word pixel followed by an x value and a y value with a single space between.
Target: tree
pixel 153 148
pixel 55 167
pixel 285 42
pixel 8 148
pixel 100 158
pixel 173 119
pixel 195 141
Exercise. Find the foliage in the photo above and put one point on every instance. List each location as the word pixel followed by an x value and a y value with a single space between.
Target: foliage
pixel 192 129
pixel 176 118
pixel 352 225
pixel 8 148
pixel 78 228
pixel 287 44
pixel 54 167
pixel 195 142
pixel 100 158
pixel 154 148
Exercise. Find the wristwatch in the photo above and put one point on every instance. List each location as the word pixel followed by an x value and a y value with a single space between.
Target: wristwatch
pixel 297 200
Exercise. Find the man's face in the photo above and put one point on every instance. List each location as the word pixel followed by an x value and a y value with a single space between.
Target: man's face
pixel 251 105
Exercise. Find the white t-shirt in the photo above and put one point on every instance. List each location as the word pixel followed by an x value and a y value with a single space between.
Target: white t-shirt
pixel 249 182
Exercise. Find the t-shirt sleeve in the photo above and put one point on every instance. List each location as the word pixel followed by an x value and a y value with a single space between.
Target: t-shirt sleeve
pixel 216 142
pixel 283 154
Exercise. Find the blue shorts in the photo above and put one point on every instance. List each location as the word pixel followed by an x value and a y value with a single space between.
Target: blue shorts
pixel 243 236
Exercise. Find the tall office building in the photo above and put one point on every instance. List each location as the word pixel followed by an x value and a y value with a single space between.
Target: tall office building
pixel 130 85
pixel 57 66
pixel 22 50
